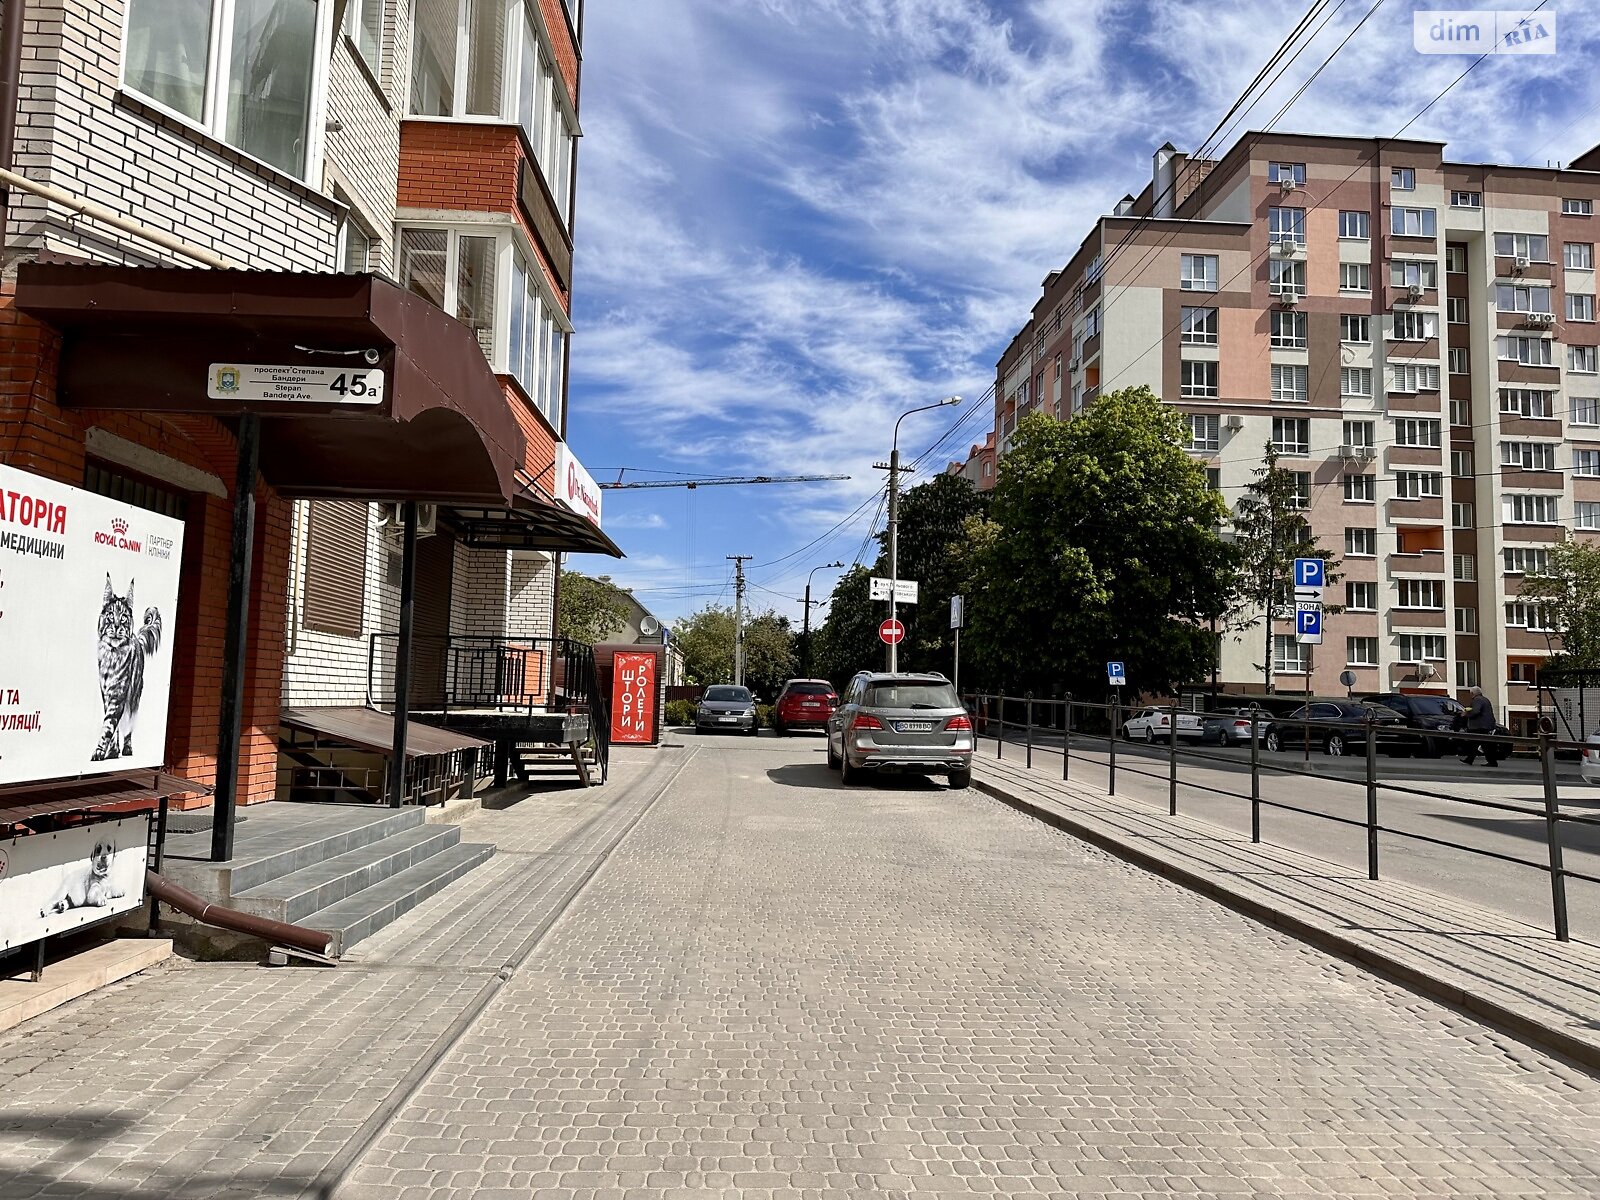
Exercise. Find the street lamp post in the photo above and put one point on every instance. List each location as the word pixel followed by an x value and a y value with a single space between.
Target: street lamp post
pixel 894 517
pixel 805 636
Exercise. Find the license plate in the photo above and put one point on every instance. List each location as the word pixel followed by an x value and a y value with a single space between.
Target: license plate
pixel 811 704
pixel 727 720
pixel 913 726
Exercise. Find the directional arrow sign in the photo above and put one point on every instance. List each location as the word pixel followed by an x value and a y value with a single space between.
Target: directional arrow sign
pixel 905 590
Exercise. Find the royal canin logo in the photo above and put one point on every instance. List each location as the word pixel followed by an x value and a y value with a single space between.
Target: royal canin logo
pixel 577 491
pixel 119 527
pixel 118 538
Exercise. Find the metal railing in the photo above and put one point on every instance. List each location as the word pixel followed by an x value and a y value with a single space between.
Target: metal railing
pixel 1022 721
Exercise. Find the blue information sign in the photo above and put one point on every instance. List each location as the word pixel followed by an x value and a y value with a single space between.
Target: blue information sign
pixel 1309 573
pixel 1308 622
pixel 1116 673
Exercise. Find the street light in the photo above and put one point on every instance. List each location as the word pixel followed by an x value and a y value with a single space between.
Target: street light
pixel 805 636
pixel 894 516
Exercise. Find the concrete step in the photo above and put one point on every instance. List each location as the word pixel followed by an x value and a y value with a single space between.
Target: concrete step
pixel 293 896
pixel 370 909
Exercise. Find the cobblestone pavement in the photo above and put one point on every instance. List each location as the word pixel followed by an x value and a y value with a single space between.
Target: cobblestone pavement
pixel 776 988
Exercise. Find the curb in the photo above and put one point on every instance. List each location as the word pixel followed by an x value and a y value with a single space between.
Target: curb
pixel 1398 970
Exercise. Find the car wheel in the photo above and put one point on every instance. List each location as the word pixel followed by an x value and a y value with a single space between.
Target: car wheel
pixel 848 775
pixel 1334 746
pixel 778 728
pixel 1431 748
pixel 1149 736
pixel 833 759
pixel 1274 742
pixel 960 779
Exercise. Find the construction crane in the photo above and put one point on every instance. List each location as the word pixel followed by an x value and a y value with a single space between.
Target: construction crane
pixel 716 481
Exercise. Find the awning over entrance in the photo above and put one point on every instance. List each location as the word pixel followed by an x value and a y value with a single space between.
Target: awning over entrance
pixel 24 801
pixel 530 524
pixel 369 729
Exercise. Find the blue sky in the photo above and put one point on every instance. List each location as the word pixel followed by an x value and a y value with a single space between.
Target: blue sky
pixel 798 218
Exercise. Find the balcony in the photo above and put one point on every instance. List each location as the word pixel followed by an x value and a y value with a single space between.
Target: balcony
pixel 1422 562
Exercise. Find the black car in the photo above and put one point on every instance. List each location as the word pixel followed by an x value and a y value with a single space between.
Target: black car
pixel 1434 716
pixel 1340 727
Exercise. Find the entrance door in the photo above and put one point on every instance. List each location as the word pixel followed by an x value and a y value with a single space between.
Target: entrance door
pixel 430 670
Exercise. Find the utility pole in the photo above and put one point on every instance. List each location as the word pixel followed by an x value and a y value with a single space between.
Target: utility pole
pixel 893 467
pixel 738 561
pixel 805 636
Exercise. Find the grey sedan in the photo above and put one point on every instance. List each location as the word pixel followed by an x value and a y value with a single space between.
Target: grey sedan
pixel 726 706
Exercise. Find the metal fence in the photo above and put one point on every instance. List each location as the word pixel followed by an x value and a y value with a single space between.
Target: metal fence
pixel 1022 721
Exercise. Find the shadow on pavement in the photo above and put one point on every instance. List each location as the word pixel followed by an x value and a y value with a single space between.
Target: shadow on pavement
pixel 805 775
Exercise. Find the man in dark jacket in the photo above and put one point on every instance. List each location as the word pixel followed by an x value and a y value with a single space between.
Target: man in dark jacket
pixel 1480 719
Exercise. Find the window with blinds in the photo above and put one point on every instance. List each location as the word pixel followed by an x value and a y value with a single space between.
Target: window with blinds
pixel 336 567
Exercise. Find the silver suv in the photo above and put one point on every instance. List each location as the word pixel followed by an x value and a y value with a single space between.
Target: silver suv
pixel 901 722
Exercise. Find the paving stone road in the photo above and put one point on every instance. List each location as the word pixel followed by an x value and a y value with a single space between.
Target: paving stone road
pixel 777 988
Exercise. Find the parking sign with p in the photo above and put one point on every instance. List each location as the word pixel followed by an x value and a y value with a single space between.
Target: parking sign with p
pixel 1309 573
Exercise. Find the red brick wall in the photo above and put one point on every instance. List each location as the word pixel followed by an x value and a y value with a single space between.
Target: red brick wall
pixel 566 53
pixel 37 436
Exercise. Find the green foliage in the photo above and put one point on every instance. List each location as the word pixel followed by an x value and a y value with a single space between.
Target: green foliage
pixel 591 610
pixel 764 716
pixel 933 548
pixel 1570 593
pixel 847 641
pixel 679 712
pixel 1104 544
pixel 706 639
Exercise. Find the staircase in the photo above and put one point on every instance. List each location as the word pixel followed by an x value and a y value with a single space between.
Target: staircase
pixel 542 763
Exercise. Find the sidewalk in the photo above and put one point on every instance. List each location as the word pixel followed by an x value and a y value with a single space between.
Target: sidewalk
pixel 1512 974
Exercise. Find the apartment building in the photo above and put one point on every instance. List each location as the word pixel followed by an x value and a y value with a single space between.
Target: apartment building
pixel 978 467
pixel 201 189
pixel 1415 337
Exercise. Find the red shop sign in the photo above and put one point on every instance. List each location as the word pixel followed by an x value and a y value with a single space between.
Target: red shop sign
pixel 633 698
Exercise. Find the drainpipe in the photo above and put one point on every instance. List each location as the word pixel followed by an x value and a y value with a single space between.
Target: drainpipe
pixel 12 13
pixel 277 932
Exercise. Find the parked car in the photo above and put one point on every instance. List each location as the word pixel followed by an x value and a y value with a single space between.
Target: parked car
pixel 1155 725
pixel 901 722
pixel 1231 726
pixel 804 704
pixel 726 706
pixel 1589 764
pixel 1340 727
pixel 1433 716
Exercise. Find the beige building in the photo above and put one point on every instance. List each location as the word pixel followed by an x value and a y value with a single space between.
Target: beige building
pixel 1415 336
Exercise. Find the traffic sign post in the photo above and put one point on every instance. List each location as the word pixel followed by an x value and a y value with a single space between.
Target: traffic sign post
pixel 891 633
pixel 904 590
pixel 958 618
pixel 1116 674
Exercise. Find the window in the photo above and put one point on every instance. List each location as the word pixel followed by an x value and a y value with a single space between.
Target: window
pixel 1418 485
pixel 244 71
pixel 1461 412
pixel 1420 593
pixel 1286 172
pixel 1300 488
pixel 1529 351
pixel 1419 647
pixel 1288 330
pixel 1355 328
pixel 1358 433
pixel 1577 208
pixel 1199 326
pixel 1361 652
pixel 1582 359
pixel 1355 224
pixel 1455 310
pixel 1286 225
pixel 1091 323
pixel 456 272
pixel 1286 278
pixel 1355 381
pixel 1355 277
pixel 1525 402
pixel 1204 433
pixel 1586 514
pixel 1414 272
pixel 1360 489
pixel 1466 674
pixel 1527 560
pixel 1466 199
pixel 1458 362
pixel 1528 455
pixel 363 22
pixel 355 248
pixel 1407 325
pixel 334 595
pixel 1464 567
pixel 1580 307
pixel 538 343
pixel 1199 380
pixel 1361 543
pixel 1403 179
pixel 1289 383
pixel 1535 247
pixel 1509 297
pixel 1461 515
pixel 1455 259
pixel 1409 378
pixel 1199 273
pixel 1584 410
pixel 1466 620
pixel 1416 431
pixel 1521 672
pixel 1529 616
pixel 1578 256
pixel 1213 479
pixel 1586 463
pixel 1412 222
pixel 1291 435
pixel 1461 464
pixel 1524 509
pixel 1361 597
pixel 1288 655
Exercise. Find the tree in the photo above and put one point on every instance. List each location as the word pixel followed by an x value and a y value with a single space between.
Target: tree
pixel 1270 531
pixel 932 550
pixel 706 639
pixel 847 641
pixel 1569 590
pixel 1105 545
pixel 591 609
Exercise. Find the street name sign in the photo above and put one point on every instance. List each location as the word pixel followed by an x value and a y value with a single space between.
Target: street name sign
pixel 288 384
pixel 905 590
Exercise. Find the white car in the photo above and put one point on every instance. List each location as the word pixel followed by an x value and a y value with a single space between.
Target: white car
pixel 1155 725
pixel 1589 765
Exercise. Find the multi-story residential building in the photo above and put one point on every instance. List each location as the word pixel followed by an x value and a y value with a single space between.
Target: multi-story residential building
pixel 306 185
pixel 978 469
pixel 1415 337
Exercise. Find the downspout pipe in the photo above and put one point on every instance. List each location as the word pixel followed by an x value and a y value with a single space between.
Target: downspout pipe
pixel 12 14
pixel 279 933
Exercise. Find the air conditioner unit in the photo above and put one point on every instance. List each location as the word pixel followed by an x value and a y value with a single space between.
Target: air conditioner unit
pixel 1233 424
pixel 1541 318
pixel 1521 262
pixel 1366 453
pixel 1075 364
pixel 1287 183
pixel 392 520
pixel 1288 298
pixel 1415 291
pixel 1287 249
pixel 1347 451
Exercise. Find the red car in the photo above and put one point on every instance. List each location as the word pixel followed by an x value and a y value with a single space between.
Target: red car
pixel 804 704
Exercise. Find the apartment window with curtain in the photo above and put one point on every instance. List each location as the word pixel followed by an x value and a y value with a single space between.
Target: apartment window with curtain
pixel 1580 307
pixel 1530 509
pixel 1291 435
pixel 1198 273
pixel 1461 515
pixel 1528 351
pixel 1464 568
pixel 1204 431
pixel 1466 674
pixel 1584 410
pixel 1355 225
pixel 1410 325
pixel 1198 380
pixel 1284 172
pixel 1361 597
pixel 1286 278
pixel 1355 328
pixel 1458 362
pixel 1511 297
pixel 1526 402
pixel 1414 272
pixel 1583 360
pixel 1361 542
pixel 1578 256
pixel 247 72
pixel 1403 179
pixel 1413 222
pixel 1535 247
pixel 1358 434
pixel 1466 620
pixel 1355 277
pixel 1290 383
pixel 1288 330
pixel 1418 485
pixel 1361 651
pixel 1360 489
pixel 1461 413
pixel 1577 208
pixel 1420 593
pixel 1289 657
pixel 1455 310
pixel 1529 456
pixel 1526 560
pixel 1410 378
pixel 1586 515
pixel 1419 647
pixel 1466 199
pixel 1198 327
pixel 1461 464
pixel 1416 431
pixel 1455 259
pixel 1286 225
pixel 1355 381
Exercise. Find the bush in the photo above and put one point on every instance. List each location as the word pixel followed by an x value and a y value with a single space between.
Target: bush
pixel 764 716
pixel 680 712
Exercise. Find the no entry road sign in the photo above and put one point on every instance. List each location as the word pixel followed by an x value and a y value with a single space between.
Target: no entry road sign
pixel 892 633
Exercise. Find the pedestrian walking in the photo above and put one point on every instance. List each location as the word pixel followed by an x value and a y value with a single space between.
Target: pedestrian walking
pixel 1480 719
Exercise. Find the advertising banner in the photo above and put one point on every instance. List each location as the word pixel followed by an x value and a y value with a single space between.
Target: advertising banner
pixel 53 883
pixel 633 698
pixel 575 487
pixel 88 608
